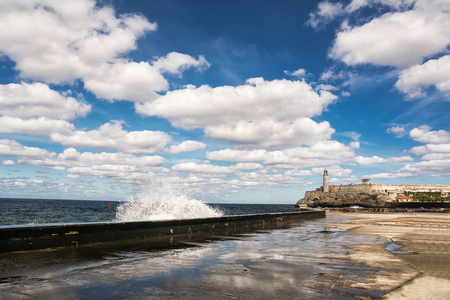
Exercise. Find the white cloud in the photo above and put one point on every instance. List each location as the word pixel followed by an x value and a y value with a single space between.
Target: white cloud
pixel 430 148
pixel 13 148
pixel 435 72
pixel 300 73
pixel 396 129
pixel 8 162
pixel 400 39
pixel 425 135
pixel 358 4
pixel 121 166
pixel 335 171
pixel 329 11
pixel 202 168
pixel 438 167
pixel 393 175
pixel 354 145
pixel 176 62
pixel 271 134
pixel 37 126
pixel 352 134
pixel 104 158
pixel 435 160
pixel 69 153
pixel 187 146
pixel 59 42
pixel 34 100
pixel 212 170
pixel 326 12
pixel 124 80
pixel 112 136
pixel 258 114
pixel 328 153
pixel 361 160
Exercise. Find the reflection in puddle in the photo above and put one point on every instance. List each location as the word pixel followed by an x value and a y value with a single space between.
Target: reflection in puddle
pixel 392 247
pixel 299 262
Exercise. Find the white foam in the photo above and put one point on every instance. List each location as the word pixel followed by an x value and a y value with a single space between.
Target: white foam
pixel 163 201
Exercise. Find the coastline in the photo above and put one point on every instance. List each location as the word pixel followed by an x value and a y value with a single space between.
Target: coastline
pixel 417 270
pixel 342 256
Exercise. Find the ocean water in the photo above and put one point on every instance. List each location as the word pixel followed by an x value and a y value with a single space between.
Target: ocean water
pixel 47 211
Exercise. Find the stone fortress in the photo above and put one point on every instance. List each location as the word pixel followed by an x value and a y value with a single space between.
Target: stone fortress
pixel 368 194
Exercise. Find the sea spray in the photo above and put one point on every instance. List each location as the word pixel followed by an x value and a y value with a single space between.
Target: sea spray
pixel 163 201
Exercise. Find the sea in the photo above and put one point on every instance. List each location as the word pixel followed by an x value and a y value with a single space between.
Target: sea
pixel 15 211
pixel 305 260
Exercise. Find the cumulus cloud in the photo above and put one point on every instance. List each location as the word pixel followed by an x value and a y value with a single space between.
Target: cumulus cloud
pixel 336 171
pixel 36 126
pixel 13 148
pixel 261 113
pixel 34 100
pixel 121 166
pixel 435 72
pixel 396 129
pixel 125 80
pixel 406 37
pixel 271 134
pixel 431 148
pixel 103 158
pixel 437 167
pixel 328 153
pixel 361 160
pixel 213 170
pixel 187 146
pixel 59 42
pixel 176 62
pixel 35 109
pixel 112 136
pixel 326 12
pixel 300 73
pixel 8 162
pixel 425 135
pixel 400 39
pixel 393 175
pixel 137 170
pixel 435 152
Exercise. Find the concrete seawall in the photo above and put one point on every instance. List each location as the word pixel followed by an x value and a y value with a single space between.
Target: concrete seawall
pixel 23 238
pixel 384 210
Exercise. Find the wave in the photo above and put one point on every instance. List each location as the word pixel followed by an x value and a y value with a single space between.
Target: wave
pixel 163 201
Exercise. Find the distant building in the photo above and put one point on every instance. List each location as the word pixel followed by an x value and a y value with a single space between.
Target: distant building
pixel 403 199
pixel 367 193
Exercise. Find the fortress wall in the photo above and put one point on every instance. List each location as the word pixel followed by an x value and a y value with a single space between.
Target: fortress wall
pixel 400 188
pixel 354 188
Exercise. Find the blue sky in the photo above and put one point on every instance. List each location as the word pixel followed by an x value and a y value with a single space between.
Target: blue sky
pixel 233 101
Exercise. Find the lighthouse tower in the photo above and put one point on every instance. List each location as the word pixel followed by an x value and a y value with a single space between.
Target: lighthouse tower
pixel 325 181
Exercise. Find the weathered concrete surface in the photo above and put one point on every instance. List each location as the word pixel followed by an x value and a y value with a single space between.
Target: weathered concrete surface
pixel 419 269
pixel 50 236
pixel 385 210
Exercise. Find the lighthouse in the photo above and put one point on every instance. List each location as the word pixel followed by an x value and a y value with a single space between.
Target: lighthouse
pixel 325 181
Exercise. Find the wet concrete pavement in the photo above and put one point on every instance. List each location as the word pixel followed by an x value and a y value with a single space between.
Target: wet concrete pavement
pixel 418 253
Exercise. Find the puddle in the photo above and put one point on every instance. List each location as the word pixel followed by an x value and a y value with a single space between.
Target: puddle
pixel 328 229
pixel 392 247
